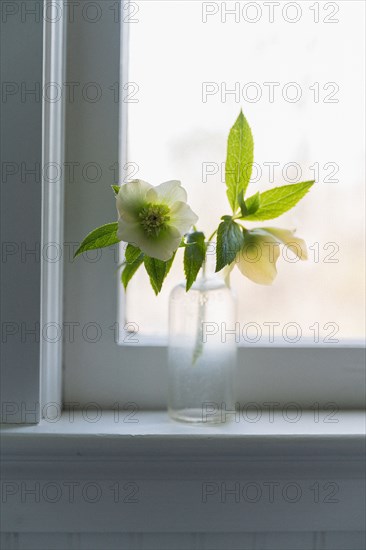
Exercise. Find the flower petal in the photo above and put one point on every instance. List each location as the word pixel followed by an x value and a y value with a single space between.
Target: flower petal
pixel 169 192
pixel 130 232
pixel 287 237
pixel 161 247
pixel 131 198
pixel 182 217
pixel 257 260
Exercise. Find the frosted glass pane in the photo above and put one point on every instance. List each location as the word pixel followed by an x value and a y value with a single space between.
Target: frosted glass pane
pixel 301 86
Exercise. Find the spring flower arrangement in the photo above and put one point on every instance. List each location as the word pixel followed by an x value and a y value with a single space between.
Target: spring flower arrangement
pixel 156 221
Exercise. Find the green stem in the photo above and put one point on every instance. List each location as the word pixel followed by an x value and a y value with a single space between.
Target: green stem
pixel 198 346
pixel 212 236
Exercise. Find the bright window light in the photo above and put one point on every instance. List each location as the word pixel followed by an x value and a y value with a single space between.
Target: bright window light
pixel 298 75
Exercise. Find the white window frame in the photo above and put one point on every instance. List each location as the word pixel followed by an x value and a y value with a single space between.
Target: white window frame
pixel 306 375
pixel 53 142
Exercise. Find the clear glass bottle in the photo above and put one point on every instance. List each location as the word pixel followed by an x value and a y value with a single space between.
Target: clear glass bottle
pixel 202 351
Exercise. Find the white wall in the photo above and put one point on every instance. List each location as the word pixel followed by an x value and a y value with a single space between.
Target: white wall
pixel 21 152
pixel 183 492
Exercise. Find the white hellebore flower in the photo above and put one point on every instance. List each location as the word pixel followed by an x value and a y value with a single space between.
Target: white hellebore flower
pixel 257 260
pixel 154 219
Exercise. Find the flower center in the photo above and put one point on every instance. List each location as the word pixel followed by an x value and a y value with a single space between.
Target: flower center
pixel 154 218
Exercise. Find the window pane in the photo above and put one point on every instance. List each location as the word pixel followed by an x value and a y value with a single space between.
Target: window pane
pixel 300 82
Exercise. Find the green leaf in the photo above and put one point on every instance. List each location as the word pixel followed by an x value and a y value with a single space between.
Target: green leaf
pixel 279 200
pixel 239 160
pixel 252 203
pixel 194 256
pixel 157 271
pixel 242 204
pixel 132 253
pixel 230 240
pixel 130 270
pixel 103 236
pixel 116 188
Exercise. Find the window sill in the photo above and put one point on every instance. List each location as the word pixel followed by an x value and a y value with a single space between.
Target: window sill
pixel 172 465
pixel 119 434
